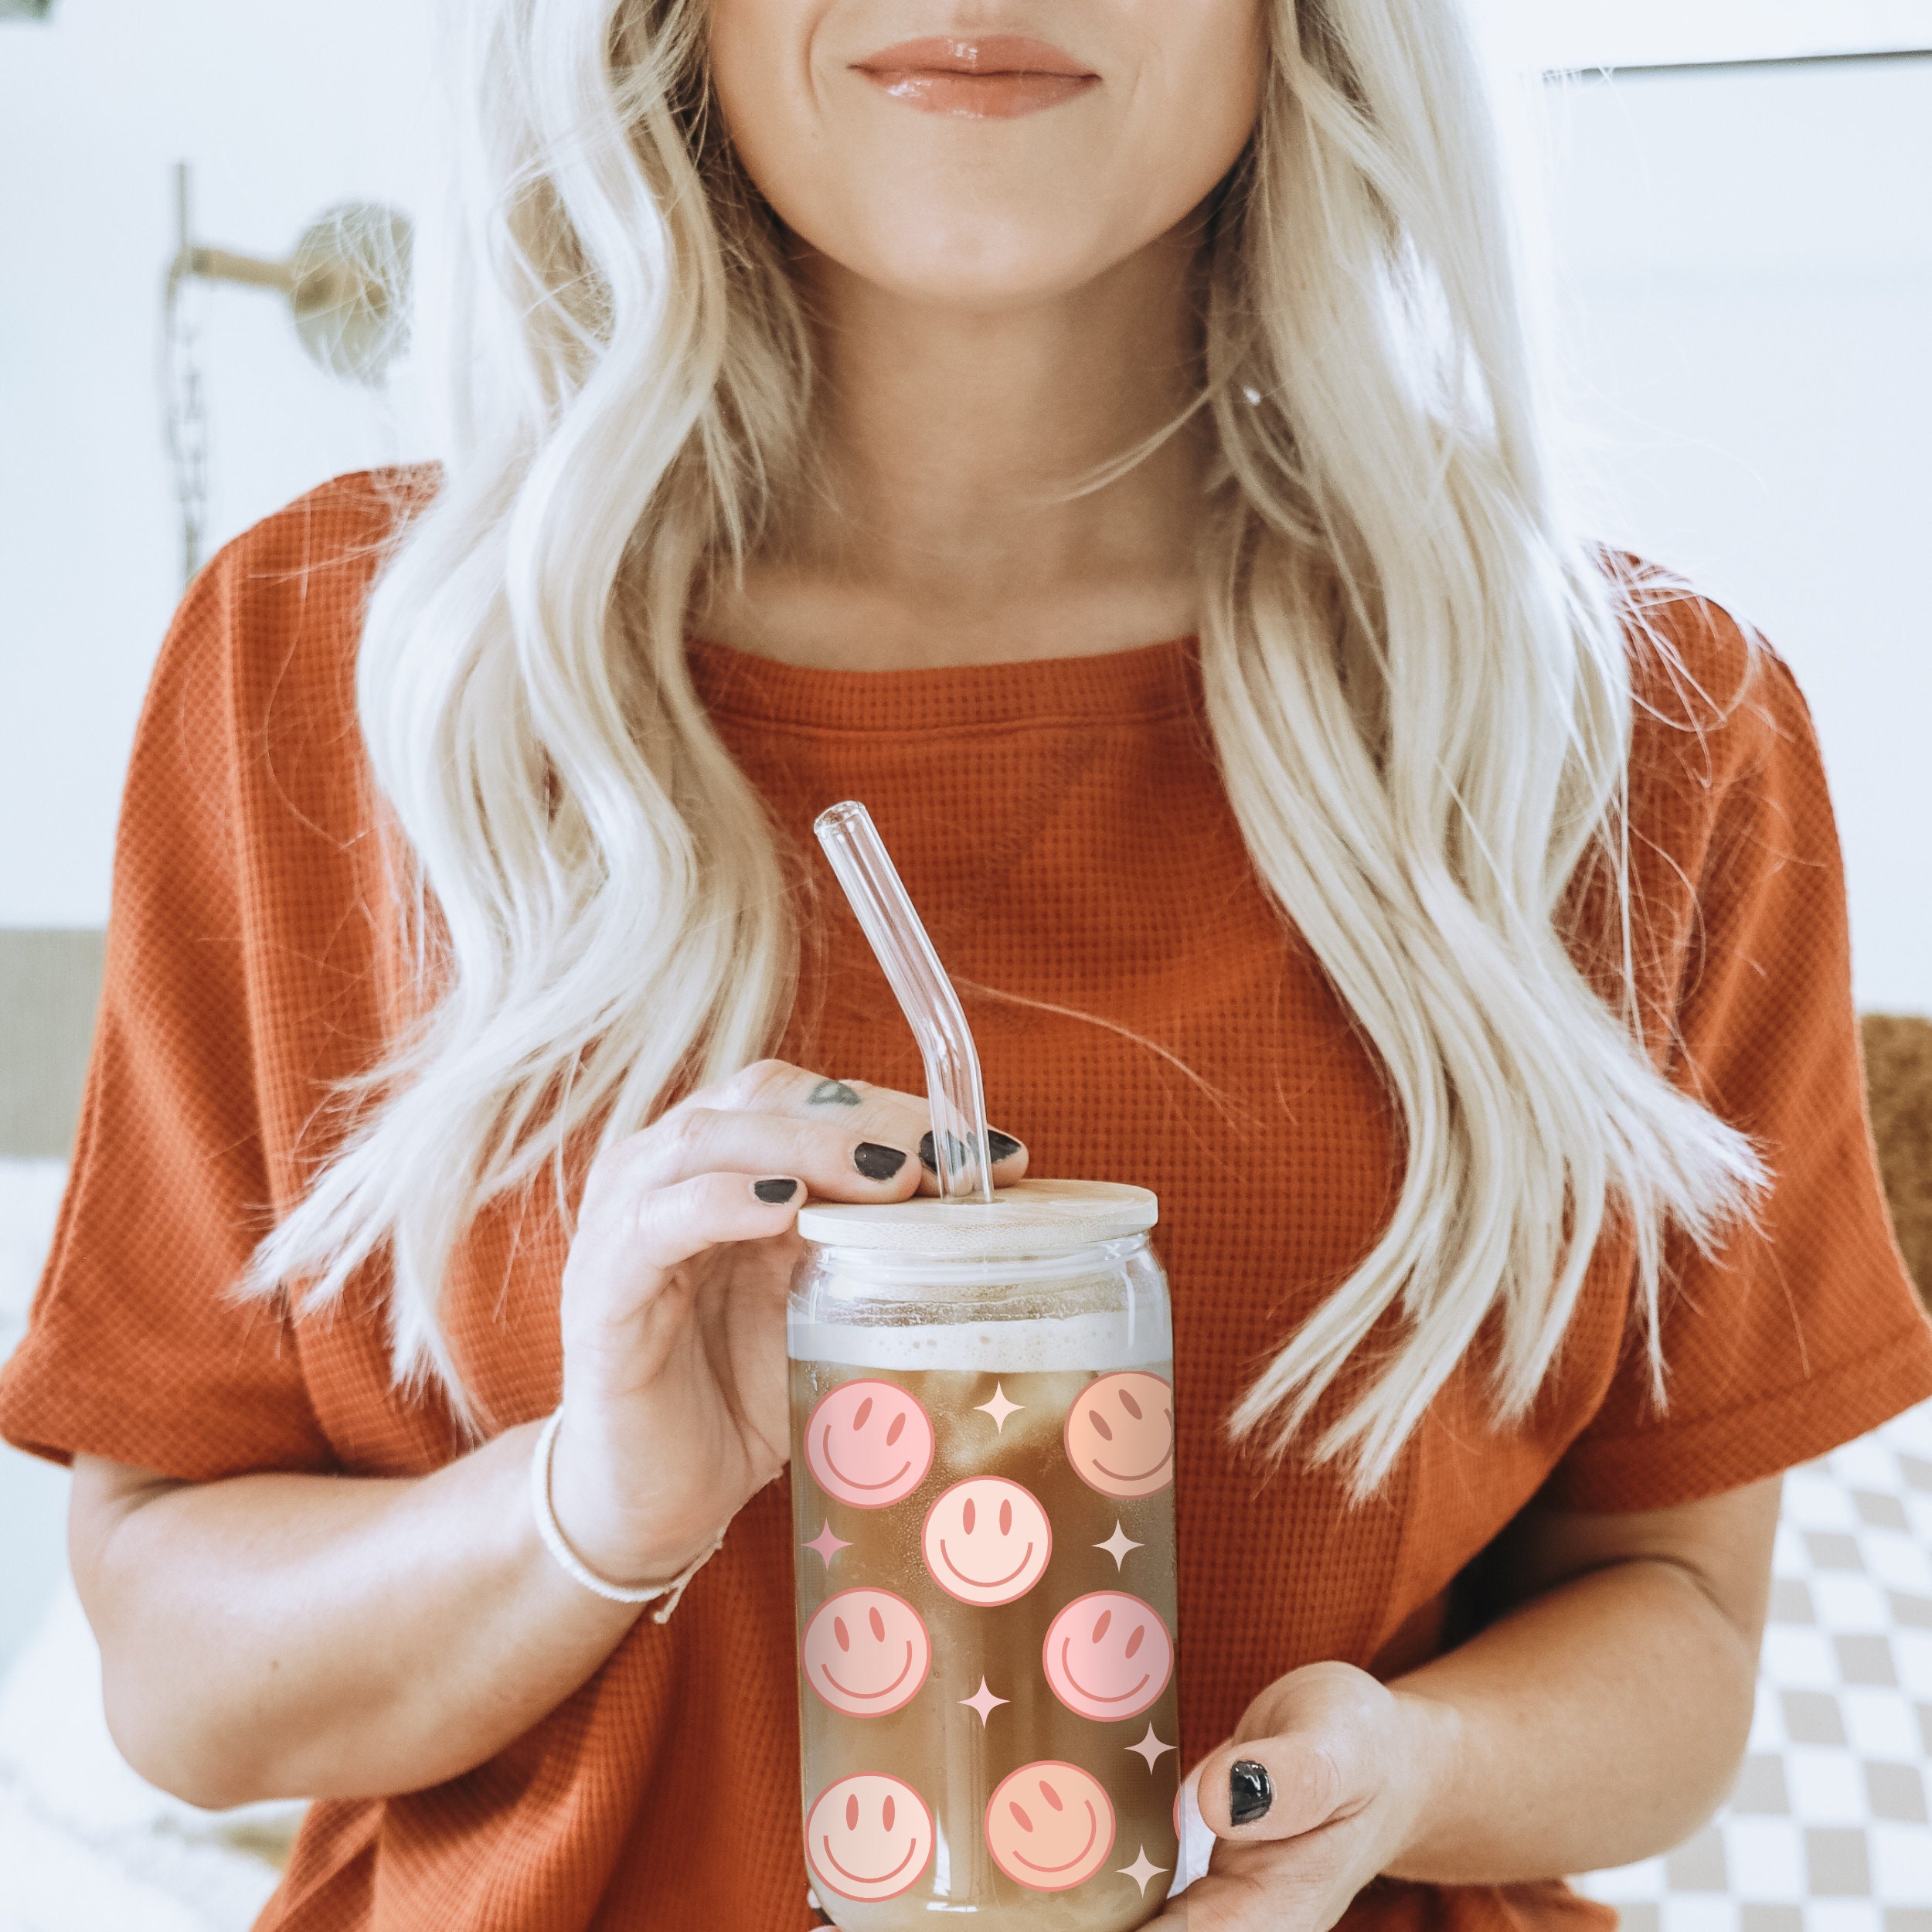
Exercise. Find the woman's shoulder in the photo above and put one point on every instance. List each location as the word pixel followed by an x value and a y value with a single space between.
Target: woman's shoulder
pixel 295 585
pixel 249 735
pixel 1713 702
pixel 261 654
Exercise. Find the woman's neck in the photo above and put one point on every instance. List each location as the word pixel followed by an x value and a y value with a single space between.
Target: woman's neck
pixel 937 529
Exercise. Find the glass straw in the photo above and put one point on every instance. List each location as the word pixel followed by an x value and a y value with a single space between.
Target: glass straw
pixel 898 937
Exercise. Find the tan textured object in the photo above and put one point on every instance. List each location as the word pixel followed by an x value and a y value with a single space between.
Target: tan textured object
pixel 1018 1220
pixel 1898 1072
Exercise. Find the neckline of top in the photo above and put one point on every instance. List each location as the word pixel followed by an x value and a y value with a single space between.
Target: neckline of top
pixel 1151 681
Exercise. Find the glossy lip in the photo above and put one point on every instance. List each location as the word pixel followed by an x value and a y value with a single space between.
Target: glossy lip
pixel 990 77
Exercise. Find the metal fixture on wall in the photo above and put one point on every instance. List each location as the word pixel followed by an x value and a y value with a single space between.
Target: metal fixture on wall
pixel 347 285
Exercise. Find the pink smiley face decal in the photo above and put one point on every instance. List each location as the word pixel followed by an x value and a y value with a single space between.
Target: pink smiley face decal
pixel 1049 1826
pixel 987 1540
pixel 1120 1434
pixel 1107 1655
pixel 869 1837
pixel 869 1444
pixel 865 1652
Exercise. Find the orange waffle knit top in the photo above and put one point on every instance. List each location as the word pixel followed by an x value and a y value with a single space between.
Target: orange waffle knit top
pixel 1063 825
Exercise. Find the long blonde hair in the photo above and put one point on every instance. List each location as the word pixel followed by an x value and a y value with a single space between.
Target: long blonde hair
pixel 1416 675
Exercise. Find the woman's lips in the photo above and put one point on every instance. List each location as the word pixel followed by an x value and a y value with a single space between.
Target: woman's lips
pixel 998 78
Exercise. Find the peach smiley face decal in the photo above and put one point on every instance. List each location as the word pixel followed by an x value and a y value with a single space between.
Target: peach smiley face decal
pixel 865 1652
pixel 869 1837
pixel 869 1444
pixel 1049 1826
pixel 987 1540
pixel 1120 1434
pixel 1107 1655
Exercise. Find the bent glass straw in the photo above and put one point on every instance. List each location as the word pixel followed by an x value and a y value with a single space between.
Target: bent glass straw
pixel 899 939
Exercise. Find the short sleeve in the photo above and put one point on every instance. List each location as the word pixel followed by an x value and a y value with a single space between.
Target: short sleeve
pixel 137 1348
pixel 1805 1332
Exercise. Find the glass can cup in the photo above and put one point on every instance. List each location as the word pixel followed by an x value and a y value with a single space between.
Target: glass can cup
pixel 982 1482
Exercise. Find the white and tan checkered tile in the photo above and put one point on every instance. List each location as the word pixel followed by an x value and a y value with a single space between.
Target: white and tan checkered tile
pixel 1828 1828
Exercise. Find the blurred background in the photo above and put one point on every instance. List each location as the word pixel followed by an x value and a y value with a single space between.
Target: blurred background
pixel 1739 201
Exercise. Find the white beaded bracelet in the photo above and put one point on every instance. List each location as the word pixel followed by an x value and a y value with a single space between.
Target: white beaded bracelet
pixel 573 1565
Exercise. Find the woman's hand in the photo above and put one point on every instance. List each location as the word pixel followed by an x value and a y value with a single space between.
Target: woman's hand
pixel 1597 1719
pixel 1347 1771
pixel 674 1378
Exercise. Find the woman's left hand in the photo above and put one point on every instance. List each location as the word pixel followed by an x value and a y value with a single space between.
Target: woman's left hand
pixel 1350 1767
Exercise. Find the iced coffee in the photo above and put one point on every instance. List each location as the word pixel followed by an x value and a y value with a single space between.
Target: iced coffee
pixel 982 1481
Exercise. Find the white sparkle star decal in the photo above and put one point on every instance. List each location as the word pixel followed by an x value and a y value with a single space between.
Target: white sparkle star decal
pixel 1150 1748
pixel 1140 1871
pixel 1118 1545
pixel 999 1408
pixel 984 1702
pixel 827 1544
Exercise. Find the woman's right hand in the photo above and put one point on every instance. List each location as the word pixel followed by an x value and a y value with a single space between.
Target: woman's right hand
pixel 675 1377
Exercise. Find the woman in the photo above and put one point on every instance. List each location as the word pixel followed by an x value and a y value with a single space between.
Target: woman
pixel 882 398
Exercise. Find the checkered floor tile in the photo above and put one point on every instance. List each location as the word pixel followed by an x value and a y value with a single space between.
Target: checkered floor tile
pixel 1828 1828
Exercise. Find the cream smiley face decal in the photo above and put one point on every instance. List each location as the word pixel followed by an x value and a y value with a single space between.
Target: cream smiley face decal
pixel 1049 1826
pixel 1107 1655
pixel 865 1652
pixel 987 1540
pixel 1120 1434
pixel 869 1444
pixel 869 1837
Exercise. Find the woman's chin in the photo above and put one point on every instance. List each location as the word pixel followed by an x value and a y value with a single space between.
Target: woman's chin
pixel 972 266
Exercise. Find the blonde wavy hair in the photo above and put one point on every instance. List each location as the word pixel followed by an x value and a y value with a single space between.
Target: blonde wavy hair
pixel 1416 675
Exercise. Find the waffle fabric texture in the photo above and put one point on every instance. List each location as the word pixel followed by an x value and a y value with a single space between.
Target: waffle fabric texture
pixel 1063 828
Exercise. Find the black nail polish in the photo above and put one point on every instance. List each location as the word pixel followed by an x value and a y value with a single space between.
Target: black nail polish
pixel 1250 1791
pixel 876 1162
pixel 774 1193
pixel 832 1093
pixel 1001 1146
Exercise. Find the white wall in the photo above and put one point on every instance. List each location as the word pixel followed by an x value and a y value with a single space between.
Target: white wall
pixel 1615 33
pixel 1749 263
pixel 283 109
pixel 1748 255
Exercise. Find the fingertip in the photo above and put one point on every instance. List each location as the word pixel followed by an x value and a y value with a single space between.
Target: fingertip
pixel 1007 1155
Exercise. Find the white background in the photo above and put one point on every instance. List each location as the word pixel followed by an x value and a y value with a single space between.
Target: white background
pixel 1585 33
pixel 1748 257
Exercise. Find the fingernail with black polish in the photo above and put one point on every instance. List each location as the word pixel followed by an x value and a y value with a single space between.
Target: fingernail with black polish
pixel 774 1193
pixel 1250 1791
pixel 1001 1146
pixel 876 1162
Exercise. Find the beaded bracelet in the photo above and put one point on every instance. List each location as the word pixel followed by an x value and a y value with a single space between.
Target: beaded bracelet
pixel 573 1565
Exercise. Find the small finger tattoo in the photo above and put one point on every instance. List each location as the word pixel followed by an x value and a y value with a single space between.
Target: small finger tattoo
pixel 1250 1791
pixel 833 1094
